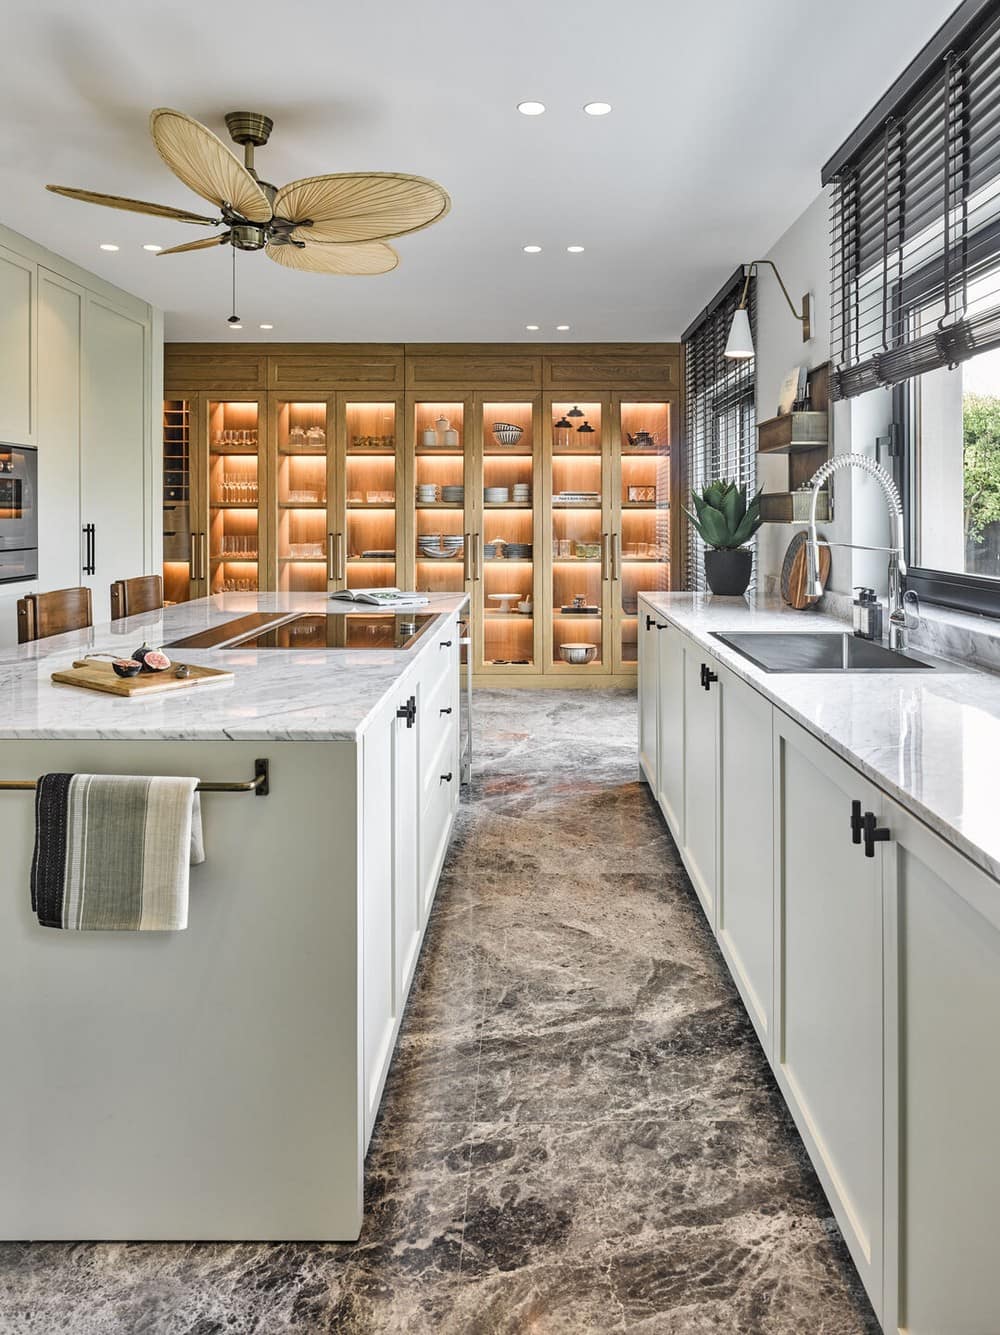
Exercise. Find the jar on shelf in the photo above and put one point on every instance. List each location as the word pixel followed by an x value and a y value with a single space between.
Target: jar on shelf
pixel 428 437
pixel 446 433
pixel 297 436
pixel 315 438
pixel 562 434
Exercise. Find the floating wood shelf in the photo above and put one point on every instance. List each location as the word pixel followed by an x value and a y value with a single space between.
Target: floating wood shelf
pixel 793 432
pixel 776 507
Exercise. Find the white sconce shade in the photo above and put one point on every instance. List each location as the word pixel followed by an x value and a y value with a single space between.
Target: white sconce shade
pixel 739 345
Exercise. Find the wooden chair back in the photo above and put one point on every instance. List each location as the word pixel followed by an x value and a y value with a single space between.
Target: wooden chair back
pixel 43 614
pixel 129 597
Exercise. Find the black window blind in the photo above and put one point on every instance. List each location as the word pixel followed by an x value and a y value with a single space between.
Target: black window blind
pixel 915 223
pixel 719 407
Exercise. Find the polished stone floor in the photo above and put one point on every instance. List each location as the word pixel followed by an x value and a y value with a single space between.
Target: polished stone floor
pixel 579 1134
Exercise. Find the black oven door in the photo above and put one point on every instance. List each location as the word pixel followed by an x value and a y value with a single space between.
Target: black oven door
pixel 18 498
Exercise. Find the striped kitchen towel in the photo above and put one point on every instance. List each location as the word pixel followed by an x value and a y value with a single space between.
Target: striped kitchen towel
pixel 112 852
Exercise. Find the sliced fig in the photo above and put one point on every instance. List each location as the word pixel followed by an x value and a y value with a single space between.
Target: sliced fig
pixel 126 667
pixel 155 660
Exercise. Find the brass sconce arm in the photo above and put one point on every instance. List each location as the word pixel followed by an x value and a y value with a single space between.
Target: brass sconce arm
pixel 802 316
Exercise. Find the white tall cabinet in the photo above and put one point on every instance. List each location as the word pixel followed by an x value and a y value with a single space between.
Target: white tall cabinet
pixel 81 380
pixel 872 976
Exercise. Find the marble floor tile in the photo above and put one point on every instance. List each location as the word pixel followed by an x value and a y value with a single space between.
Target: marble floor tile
pixel 579 1133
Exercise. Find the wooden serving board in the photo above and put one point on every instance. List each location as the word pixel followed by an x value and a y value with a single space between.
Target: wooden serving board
pixel 97 674
pixel 793 572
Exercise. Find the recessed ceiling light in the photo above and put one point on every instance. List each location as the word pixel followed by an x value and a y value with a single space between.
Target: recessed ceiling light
pixel 267 326
pixel 152 247
pixel 597 108
pixel 562 328
pixel 531 108
pixel 531 328
pixel 575 250
pixel 531 250
pixel 108 245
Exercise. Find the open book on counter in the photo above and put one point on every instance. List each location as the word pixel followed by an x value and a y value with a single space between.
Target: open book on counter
pixel 381 597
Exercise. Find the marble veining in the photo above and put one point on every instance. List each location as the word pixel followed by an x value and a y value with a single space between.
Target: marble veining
pixel 282 695
pixel 579 1135
pixel 929 739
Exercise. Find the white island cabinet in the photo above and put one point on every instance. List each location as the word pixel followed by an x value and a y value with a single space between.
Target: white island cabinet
pixel 222 1082
pixel 870 967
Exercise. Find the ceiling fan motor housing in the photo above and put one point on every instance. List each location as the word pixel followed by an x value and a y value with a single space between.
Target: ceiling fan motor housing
pixel 248 236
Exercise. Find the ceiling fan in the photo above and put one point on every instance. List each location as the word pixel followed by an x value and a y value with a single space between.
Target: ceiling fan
pixel 322 224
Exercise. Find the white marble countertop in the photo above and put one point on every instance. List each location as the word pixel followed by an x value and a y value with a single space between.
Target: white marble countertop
pixel 929 739
pixel 287 695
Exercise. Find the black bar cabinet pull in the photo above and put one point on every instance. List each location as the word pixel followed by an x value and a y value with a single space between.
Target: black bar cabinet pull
pixel 662 625
pixel 90 553
pixel 445 711
pixel 408 711
pixel 650 622
pixel 708 676
pixel 856 822
pixel 445 644
pixel 446 778
pixel 874 833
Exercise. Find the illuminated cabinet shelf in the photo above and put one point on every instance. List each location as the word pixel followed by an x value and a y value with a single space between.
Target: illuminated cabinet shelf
pixel 294 494
pixel 529 478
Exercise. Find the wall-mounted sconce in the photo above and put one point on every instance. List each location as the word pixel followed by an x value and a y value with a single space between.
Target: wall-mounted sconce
pixel 739 345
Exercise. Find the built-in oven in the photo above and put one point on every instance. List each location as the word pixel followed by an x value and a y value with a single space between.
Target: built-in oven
pixel 18 513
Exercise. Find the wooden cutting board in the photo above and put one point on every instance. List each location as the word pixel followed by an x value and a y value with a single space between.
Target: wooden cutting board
pixel 793 572
pixel 97 674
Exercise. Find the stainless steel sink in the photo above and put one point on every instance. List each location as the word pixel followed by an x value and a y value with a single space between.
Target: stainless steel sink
pixel 818 651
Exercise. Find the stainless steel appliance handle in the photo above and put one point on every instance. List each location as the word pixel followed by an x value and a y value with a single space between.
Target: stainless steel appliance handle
pixel 89 550
pixel 465 746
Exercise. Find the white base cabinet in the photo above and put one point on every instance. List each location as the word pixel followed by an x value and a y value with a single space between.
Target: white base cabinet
pixel 873 981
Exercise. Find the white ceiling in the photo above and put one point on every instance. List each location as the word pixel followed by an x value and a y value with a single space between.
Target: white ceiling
pixel 723 114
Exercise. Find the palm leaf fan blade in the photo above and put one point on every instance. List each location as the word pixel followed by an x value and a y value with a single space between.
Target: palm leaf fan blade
pixel 373 257
pixel 360 206
pixel 129 205
pixel 202 161
pixel 203 243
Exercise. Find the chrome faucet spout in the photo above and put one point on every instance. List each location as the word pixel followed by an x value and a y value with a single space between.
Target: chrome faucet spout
pixel 899 621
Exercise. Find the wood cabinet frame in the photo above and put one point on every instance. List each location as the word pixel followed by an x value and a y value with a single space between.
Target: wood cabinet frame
pixel 474 375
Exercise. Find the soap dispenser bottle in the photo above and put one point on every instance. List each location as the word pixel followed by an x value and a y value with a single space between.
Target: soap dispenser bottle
pixel 867 614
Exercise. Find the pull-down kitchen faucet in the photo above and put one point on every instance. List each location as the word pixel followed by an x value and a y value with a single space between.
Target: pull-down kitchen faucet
pixel 900 620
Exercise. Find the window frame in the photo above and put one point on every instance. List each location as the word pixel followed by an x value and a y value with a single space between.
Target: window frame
pixel 947 588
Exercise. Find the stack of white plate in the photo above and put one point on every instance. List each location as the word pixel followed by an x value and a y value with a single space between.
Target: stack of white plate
pixel 454 495
pixel 497 495
pixel 440 545
pixel 427 493
pixel 522 493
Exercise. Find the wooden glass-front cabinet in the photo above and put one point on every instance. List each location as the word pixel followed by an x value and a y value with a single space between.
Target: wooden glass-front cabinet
pixel 521 477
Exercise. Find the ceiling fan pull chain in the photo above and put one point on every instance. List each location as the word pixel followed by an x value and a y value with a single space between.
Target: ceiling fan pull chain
pixel 234 319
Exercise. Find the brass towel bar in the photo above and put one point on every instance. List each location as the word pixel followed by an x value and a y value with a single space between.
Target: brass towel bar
pixel 259 785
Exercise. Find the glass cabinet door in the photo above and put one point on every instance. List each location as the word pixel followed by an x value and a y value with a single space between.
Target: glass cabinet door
pixel 507 554
pixel 370 481
pixel 442 557
pixel 642 540
pixel 580 538
pixel 179 556
pixel 234 479
pixel 304 442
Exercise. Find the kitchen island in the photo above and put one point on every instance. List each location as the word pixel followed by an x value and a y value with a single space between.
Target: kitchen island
pixel 222 1082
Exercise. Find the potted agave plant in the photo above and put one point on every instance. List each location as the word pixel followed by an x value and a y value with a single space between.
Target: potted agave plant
pixel 726 522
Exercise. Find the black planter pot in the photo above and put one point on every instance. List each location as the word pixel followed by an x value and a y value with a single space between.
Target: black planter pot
pixel 728 570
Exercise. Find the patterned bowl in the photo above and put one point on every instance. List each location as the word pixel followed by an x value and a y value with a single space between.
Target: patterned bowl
pixel 506 433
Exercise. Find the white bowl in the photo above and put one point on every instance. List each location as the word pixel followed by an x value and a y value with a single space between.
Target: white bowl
pixel 578 653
